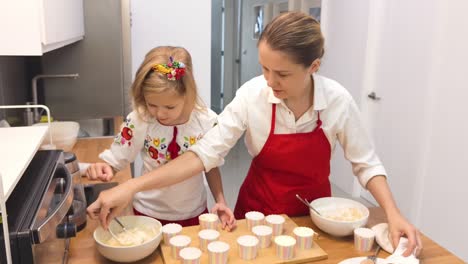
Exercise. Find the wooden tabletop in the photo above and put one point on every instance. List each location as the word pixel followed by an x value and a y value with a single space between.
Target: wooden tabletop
pixel 83 250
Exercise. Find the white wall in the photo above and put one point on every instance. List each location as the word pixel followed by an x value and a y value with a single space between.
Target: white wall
pixel 415 59
pixel 175 23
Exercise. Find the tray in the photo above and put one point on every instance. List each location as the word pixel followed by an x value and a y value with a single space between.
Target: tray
pixel 265 255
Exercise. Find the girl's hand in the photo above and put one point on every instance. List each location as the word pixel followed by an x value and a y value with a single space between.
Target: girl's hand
pixel 110 203
pixel 100 171
pixel 226 216
pixel 398 227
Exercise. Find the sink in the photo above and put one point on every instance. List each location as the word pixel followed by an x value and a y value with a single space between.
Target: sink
pixel 98 127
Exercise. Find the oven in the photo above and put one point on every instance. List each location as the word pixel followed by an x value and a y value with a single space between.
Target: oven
pixel 38 211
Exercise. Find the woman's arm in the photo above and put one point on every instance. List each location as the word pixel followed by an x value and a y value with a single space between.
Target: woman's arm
pixel 398 225
pixel 213 177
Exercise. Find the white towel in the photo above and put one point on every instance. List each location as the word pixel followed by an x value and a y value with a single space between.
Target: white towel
pixel 382 238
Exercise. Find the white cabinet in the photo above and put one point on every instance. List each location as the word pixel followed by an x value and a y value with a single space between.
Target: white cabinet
pixel 33 27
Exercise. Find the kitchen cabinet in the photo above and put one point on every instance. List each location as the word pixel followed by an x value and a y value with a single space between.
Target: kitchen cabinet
pixel 34 27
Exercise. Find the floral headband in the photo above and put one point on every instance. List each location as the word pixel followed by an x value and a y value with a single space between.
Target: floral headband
pixel 174 70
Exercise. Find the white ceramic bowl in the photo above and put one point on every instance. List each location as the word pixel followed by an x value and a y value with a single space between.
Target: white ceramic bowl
pixel 336 206
pixel 128 253
pixel 64 134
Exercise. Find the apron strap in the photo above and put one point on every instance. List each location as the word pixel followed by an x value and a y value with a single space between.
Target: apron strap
pixel 273 118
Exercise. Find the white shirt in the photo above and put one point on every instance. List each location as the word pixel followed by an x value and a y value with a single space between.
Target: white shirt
pixel 180 201
pixel 251 111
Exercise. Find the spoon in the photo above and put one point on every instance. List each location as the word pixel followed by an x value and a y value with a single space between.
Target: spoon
pixel 372 259
pixel 307 203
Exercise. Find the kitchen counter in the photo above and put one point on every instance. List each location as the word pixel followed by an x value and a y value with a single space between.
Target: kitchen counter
pixel 83 250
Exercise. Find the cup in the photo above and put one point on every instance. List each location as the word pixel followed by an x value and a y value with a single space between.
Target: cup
pixel 218 252
pixel 248 246
pixel 276 222
pixel 363 239
pixel 207 236
pixel 263 233
pixel 254 218
pixel 304 237
pixel 208 221
pixel 285 247
pixel 190 255
pixel 169 231
pixel 178 243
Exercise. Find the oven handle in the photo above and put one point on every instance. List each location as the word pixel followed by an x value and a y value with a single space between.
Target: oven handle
pixel 41 233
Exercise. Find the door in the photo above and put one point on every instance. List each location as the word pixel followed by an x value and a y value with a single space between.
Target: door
pixel 255 15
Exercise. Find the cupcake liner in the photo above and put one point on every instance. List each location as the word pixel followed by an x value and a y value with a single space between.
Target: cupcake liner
pixel 208 221
pixel 178 243
pixel 276 223
pixel 218 252
pixel 263 233
pixel 304 237
pixel 169 231
pixel 207 236
pixel 284 246
pixel 363 239
pixel 190 255
pixel 248 246
pixel 254 218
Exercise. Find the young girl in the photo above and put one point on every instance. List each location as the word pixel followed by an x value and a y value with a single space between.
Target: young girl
pixel 167 120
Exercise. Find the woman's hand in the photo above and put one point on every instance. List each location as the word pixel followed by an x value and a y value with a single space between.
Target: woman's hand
pixel 111 203
pixel 398 227
pixel 100 171
pixel 228 221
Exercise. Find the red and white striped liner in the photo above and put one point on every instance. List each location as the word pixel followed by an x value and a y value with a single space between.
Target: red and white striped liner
pixel 248 246
pixel 363 239
pixel 285 247
pixel 263 234
pixel 178 243
pixel 276 222
pixel 218 252
pixel 208 221
pixel 304 237
pixel 190 255
pixel 206 236
pixel 170 230
pixel 254 218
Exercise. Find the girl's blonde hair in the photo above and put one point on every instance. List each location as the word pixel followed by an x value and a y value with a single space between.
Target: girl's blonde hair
pixel 149 81
pixel 296 34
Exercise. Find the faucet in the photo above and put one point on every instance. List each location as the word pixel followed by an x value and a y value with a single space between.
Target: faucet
pixel 36 116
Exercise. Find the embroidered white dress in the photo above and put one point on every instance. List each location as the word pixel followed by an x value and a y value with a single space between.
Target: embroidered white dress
pixel 150 139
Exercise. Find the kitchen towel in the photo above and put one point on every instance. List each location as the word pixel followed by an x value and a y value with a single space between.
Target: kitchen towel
pixel 382 238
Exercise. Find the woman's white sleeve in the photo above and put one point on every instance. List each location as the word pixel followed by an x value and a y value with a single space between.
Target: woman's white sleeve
pixel 127 143
pixel 358 146
pixel 217 142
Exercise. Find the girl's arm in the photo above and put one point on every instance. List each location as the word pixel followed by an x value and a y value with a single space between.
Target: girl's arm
pixel 398 225
pixel 213 177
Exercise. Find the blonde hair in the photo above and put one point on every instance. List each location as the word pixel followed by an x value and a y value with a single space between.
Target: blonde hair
pixel 296 34
pixel 149 81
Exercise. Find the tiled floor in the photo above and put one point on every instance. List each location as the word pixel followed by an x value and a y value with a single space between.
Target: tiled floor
pixel 235 169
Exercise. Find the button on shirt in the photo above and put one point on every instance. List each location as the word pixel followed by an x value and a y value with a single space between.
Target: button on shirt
pixel 250 112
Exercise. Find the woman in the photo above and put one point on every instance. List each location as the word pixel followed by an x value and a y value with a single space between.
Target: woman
pixel 293 118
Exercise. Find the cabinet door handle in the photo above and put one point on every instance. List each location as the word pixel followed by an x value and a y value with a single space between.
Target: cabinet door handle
pixel 373 96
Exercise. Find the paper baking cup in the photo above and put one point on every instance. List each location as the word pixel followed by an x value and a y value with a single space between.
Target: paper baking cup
pixel 178 243
pixel 276 222
pixel 254 218
pixel 208 221
pixel 248 246
pixel 218 252
pixel 170 230
pixel 285 247
pixel 363 239
pixel 304 237
pixel 206 236
pixel 190 255
pixel 263 233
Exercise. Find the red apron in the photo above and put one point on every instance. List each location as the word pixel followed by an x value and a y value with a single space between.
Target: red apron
pixel 288 164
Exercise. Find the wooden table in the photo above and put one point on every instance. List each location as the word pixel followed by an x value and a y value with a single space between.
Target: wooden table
pixel 83 250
